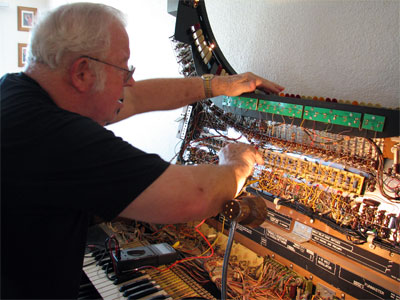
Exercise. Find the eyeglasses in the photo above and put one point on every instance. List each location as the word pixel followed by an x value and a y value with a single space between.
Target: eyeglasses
pixel 129 72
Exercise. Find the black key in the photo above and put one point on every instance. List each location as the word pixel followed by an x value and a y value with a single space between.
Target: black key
pixel 133 284
pixel 96 252
pixel 123 278
pixel 144 293
pixel 160 297
pixel 104 261
pixel 108 268
pixel 138 288
pixel 99 256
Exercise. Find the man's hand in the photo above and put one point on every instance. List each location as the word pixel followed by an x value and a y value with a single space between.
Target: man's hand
pixel 241 158
pixel 235 85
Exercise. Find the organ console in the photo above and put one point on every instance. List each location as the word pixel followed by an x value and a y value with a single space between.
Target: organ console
pixel 330 184
pixel 329 180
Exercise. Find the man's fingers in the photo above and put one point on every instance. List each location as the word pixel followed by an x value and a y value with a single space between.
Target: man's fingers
pixel 271 86
pixel 238 84
pixel 259 158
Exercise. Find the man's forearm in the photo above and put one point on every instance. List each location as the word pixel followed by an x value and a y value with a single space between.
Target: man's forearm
pixel 170 93
pixel 161 94
pixel 184 193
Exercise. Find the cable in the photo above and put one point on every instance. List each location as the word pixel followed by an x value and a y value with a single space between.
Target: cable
pixel 116 249
pixel 228 249
pixel 380 173
pixel 186 258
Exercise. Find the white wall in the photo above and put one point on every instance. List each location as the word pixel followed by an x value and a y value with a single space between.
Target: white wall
pixel 9 34
pixel 149 28
pixel 344 49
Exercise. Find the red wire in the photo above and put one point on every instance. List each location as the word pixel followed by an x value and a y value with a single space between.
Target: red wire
pixel 164 227
pixel 186 258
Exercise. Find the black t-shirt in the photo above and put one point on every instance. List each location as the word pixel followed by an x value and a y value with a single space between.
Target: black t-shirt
pixel 58 169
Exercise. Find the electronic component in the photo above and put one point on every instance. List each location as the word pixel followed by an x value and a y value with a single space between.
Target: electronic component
pixel 248 210
pixel 127 260
pixel 158 283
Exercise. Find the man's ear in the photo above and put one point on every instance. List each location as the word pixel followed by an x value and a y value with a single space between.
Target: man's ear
pixel 82 78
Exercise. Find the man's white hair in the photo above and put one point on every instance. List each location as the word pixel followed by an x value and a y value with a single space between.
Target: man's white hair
pixel 73 30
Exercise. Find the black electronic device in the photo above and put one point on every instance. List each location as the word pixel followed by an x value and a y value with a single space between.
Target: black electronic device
pixel 152 255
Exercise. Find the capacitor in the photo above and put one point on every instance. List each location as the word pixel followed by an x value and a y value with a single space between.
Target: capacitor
pixel 199 40
pixel 202 48
pixel 396 156
pixel 195 27
pixel 206 59
pixel 309 287
pixel 236 277
pixel 292 291
pixel 393 222
pixel 355 183
pixel 298 297
pixel 371 202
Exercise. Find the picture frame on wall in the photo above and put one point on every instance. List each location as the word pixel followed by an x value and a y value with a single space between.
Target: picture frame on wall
pixel 26 18
pixel 22 54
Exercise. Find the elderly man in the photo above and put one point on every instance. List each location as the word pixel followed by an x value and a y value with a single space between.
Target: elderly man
pixel 60 166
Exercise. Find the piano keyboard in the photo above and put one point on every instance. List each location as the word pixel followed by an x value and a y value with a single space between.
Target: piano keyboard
pixel 148 284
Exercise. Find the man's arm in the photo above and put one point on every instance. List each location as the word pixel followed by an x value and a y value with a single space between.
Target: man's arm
pixel 184 193
pixel 164 94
